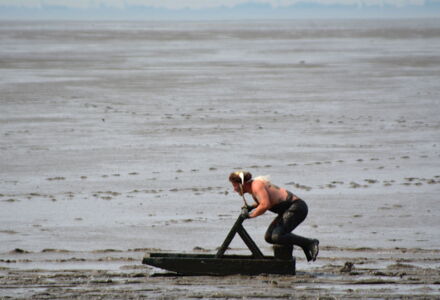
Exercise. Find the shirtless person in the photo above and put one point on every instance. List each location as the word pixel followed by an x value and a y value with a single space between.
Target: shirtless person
pixel 291 211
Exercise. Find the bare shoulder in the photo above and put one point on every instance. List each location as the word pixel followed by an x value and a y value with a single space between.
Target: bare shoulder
pixel 258 186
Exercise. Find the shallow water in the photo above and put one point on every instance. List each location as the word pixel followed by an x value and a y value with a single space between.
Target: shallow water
pixel 121 136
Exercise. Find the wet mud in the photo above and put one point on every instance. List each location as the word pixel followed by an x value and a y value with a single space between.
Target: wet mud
pixel 399 273
pixel 116 139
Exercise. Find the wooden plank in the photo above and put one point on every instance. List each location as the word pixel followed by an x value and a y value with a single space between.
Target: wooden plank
pixel 189 264
pixel 200 255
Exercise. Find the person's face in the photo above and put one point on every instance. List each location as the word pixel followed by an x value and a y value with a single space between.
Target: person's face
pixel 236 187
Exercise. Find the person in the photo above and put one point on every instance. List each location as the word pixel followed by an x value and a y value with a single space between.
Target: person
pixel 291 211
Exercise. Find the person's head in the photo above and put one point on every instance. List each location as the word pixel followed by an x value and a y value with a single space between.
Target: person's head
pixel 238 179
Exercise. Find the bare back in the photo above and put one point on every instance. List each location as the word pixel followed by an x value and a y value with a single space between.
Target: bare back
pixel 275 193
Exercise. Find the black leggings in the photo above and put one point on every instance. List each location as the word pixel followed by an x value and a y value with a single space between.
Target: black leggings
pixel 279 231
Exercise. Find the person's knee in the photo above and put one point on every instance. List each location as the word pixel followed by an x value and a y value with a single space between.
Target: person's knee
pixel 277 238
pixel 268 237
pixel 274 236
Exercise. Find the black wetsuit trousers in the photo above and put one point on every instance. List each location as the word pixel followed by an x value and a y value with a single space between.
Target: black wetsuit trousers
pixel 290 215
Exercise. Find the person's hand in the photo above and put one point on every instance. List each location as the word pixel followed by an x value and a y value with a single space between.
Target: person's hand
pixel 248 207
pixel 244 213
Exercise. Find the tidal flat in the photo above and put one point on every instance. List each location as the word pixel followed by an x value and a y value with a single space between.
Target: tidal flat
pixel 117 139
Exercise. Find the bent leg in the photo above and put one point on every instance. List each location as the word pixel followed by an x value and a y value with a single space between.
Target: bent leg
pixel 279 231
pixel 277 222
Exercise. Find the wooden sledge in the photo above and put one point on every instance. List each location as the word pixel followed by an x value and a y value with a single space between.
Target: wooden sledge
pixel 219 264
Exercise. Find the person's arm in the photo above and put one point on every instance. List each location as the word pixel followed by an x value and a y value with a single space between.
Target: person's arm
pixel 263 200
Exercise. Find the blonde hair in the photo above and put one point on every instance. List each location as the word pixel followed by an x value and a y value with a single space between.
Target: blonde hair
pixel 263 178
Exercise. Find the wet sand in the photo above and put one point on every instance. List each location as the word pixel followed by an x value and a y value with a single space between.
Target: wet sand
pixel 117 140
pixel 397 273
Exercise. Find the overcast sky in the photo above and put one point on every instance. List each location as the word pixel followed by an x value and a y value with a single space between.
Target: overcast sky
pixel 211 9
pixel 199 4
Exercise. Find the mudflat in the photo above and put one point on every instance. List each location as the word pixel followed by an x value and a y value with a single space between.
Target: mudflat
pixel 117 138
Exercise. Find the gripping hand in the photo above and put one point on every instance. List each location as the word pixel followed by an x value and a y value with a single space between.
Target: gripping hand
pixel 249 207
pixel 244 213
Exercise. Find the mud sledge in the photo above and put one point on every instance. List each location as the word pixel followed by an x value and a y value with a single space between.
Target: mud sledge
pixel 220 264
